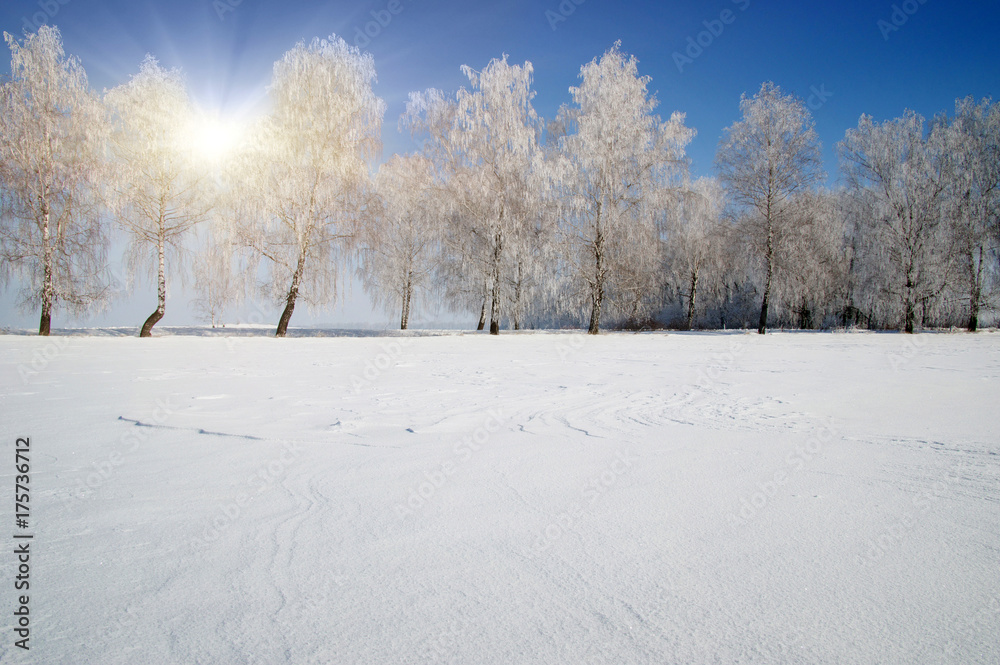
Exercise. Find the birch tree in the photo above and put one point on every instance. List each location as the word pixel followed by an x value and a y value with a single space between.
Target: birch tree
pixel 491 149
pixel 695 230
pixel 972 163
pixel 159 191
pixel 399 241
pixel 51 139
pixel 617 159
pixel 815 259
pixel 764 160
pixel 895 175
pixel 300 184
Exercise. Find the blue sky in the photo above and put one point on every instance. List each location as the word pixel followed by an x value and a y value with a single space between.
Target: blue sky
pixel 845 58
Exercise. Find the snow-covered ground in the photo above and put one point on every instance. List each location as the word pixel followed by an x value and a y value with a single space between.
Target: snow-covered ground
pixel 532 498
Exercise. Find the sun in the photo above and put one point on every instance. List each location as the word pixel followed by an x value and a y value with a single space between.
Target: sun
pixel 213 138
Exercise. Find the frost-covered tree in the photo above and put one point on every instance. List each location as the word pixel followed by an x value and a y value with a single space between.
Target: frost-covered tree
pixel 694 239
pixel 813 261
pixel 399 240
pixel 300 184
pixel 894 173
pixel 463 266
pixel 764 160
pixel 488 143
pixel 158 191
pixel 617 160
pixel 51 140
pixel 972 163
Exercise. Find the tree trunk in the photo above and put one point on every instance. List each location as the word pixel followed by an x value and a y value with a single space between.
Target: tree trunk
pixel 495 305
pixel 293 293
pixel 976 289
pixel 597 290
pixel 769 258
pixel 161 290
pixel 517 296
pixel 48 288
pixel 805 316
pixel 909 313
pixel 692 298
pixel 407 291
pixel 482 313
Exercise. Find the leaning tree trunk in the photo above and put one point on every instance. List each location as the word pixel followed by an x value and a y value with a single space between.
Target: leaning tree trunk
pixel 161 290
pixel 293 293
pixel 692 299
pixel 48 287
pixel 495 297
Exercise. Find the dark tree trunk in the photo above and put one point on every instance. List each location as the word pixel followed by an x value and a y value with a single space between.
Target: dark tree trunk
pixel 805 316
pixel 976 290
pixel 161 291
pixel 909 306
pixel 407 292
pixel 597 292
pixel 909 310
pixel 762 323
pixel 495 305
pixel 692 299
pixel 293 293
pixel 769 264
pixel 973 324
pixel 147 327
pixel 45 322
pixel 48 287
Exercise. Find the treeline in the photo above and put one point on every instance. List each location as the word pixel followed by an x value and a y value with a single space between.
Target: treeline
pixel 588 219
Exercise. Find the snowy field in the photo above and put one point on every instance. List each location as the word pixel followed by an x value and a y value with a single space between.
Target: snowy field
pixel 532 498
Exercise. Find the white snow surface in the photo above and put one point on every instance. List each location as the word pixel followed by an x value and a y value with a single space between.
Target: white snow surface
pixel 528 498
